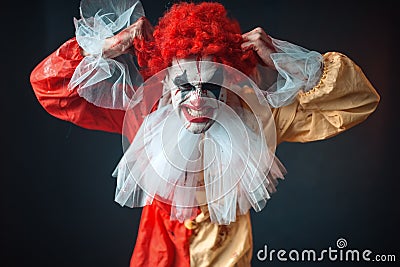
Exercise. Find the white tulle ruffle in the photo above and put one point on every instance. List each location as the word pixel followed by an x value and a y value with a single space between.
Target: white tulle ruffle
pixel 298 69
pixel 103 81
pixel 169 163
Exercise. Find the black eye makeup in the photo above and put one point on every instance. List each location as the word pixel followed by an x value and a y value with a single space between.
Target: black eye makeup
pixel 213 88
pixel 181 80
pixel 183 84
pixel 213 85
pixel 186 87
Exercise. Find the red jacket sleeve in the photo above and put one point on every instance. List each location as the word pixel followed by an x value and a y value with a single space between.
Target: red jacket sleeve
pixel 50 79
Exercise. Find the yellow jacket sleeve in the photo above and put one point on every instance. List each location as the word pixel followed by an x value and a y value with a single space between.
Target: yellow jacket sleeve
pixel 342 99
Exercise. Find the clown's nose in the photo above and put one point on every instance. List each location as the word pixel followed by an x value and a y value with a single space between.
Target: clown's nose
pixel 197 101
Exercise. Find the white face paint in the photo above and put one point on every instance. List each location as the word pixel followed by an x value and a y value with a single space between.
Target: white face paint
pixel 195 92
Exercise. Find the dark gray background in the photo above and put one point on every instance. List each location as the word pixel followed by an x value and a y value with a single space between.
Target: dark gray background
pixel 56 189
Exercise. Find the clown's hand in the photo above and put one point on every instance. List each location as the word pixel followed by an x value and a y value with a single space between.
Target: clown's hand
pixel 122 43
pixel 261 43
pixel 297 68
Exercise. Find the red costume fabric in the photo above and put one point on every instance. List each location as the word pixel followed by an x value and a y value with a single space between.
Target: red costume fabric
pixel 160 241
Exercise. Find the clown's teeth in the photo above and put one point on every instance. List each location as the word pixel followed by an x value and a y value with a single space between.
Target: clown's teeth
pixel 195 113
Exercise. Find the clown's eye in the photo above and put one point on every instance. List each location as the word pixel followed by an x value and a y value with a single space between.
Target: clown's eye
pixel 213 88
pixel 186 87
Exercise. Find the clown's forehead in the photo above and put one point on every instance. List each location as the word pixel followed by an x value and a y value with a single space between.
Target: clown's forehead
pixel 196 70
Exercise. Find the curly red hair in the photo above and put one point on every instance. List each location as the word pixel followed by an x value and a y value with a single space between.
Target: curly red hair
pixel 200 30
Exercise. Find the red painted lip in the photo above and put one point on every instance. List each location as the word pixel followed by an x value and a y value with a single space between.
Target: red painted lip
pixel 202 119
pixel 199 120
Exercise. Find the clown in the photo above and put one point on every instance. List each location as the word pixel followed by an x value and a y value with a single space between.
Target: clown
pixel 192 101
pixel 203 114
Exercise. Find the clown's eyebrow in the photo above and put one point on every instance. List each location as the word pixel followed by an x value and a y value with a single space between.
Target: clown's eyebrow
pixel 181 79
pixel 217 77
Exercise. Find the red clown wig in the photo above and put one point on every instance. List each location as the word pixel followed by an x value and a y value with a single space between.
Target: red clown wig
pixel 199 30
